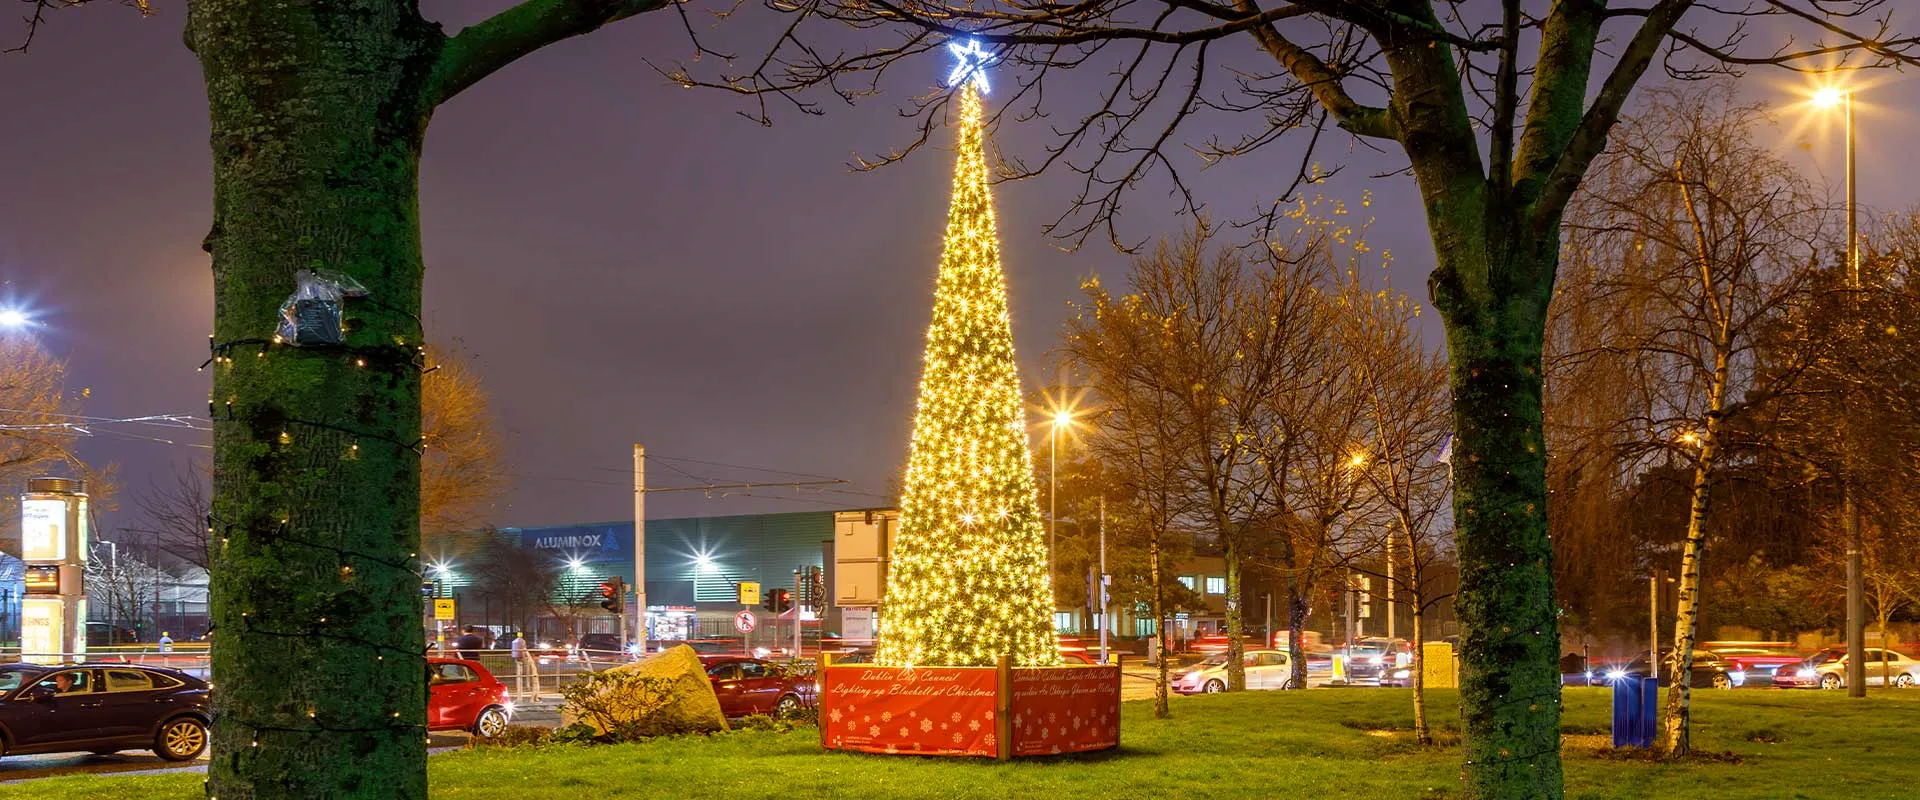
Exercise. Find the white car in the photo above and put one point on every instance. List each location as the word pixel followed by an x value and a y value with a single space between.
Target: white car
pixel 1266 669
pixel 1827 669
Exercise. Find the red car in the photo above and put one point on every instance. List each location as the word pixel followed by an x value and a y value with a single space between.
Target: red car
pixel 751 686
pixel 464 696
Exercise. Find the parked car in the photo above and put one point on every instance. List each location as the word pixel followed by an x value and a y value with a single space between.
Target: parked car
pixel 713 647
pixel 1827 669
pixel 851 655
pixel 1073 657
pixel 1710 670
pixel 751 686
pixel 463 696
pixel 601 645
pixel 1759 663
pixel 1266 669
pixel 1372 658
pixel 102 708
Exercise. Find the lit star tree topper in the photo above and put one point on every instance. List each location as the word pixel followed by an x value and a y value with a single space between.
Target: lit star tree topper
pixel 968 579
pixel 970 63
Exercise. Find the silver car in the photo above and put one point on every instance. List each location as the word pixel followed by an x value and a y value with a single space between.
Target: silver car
pixel 1827 669
pixel 1266 669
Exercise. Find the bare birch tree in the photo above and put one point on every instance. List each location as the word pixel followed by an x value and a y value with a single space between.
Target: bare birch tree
pixel 1701 234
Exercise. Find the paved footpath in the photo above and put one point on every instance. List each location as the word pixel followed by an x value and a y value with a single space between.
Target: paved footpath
pixel 140 762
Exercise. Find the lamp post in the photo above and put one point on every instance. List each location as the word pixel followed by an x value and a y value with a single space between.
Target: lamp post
pixel 1105 616
pixel 1830 97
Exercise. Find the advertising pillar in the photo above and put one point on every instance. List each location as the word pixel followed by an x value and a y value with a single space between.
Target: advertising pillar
pixel 53 543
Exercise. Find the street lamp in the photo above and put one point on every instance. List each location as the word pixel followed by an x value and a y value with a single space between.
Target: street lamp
pixel 1062 419
pixel 13 319
pixel 1829 97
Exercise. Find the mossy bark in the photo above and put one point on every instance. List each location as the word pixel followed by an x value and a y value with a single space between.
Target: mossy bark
pixel 1509 679
pixel 318 111
pixel 317 117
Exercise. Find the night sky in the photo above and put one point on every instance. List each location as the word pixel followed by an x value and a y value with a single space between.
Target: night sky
pixel 625 259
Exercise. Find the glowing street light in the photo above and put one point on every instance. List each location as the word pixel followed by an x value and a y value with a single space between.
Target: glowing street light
pixel 1829 97
pixel 14 319
pixel 1060 420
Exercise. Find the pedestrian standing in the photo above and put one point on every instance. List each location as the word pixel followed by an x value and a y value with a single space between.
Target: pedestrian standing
pixel 526 668
pixel 469 643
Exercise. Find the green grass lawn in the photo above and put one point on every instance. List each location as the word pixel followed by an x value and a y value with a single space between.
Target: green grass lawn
pixel 1314 744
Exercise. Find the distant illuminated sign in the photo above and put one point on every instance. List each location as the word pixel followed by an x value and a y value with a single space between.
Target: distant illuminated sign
pixel 41 630
pixel 43 579
pixel 43 530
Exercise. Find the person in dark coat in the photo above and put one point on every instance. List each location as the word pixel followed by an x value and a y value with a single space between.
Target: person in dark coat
pixel 469 644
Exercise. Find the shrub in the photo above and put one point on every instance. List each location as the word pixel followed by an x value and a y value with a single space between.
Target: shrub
pixel 618 706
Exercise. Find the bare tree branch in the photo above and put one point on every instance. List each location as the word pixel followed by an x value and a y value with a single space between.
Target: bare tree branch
pixel 478 51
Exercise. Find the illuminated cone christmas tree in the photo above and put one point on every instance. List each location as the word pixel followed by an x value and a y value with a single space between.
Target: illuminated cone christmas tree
pixel 968 581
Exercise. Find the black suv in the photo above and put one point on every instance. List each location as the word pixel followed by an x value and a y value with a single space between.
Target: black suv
pixel 102 708
pixel 1710 671
pixel 600 642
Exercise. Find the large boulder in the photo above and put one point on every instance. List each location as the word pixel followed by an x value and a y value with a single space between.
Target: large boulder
pixel 664 693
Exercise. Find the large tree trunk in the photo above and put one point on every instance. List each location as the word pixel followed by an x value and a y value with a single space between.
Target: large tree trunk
pixel 1296 623
pixel 317 116
pixel 1509 680
pixel 1421 733
pixel 1160 709
pixel 1236 644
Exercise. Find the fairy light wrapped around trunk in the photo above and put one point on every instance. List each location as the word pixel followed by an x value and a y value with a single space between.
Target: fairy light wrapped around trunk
pixel 968 579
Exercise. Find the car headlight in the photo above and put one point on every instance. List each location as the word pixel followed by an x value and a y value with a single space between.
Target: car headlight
pixel 1401 673
pixel 508 707
pixel 1616 674
pixel 1375 660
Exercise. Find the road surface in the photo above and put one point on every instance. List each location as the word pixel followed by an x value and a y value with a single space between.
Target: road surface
pixel 25 768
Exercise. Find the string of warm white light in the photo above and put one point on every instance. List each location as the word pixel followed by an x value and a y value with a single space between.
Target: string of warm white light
pixel 968 578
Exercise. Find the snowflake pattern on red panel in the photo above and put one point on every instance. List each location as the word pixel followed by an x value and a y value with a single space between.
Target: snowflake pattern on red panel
pixel 952 710
pixel 1065 710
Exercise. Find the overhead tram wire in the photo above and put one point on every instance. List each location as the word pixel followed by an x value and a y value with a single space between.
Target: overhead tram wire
pixel 654 456
pixel 82 425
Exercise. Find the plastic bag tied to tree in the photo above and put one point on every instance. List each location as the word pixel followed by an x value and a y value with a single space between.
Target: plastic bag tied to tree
pixel 311 316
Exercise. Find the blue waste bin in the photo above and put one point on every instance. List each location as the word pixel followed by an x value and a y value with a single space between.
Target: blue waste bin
pixel 1636 710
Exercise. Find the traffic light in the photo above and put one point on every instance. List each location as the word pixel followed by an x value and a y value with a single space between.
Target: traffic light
pixel 777 600
pixel 614 594
pixel 814 588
